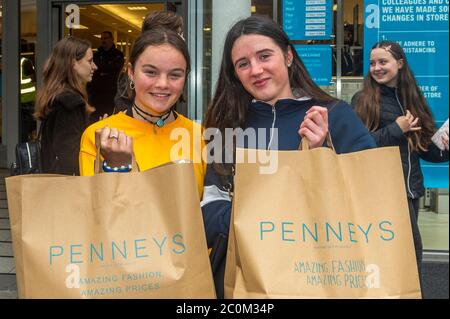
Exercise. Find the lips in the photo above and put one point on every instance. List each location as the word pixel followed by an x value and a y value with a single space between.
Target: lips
pixel 261 83
pixel 379 75
pixel 160 95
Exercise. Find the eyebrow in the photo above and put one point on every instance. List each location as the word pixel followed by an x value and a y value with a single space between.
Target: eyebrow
pixel 154 67
pixel 257 52
pixel 373 60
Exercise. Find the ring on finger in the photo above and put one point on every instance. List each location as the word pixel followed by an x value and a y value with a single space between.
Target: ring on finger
pixel 114 137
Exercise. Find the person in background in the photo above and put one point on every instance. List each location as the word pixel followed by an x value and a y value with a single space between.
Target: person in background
pixel 155 19
pixel 27 98
pixel 393 108
pixel 61 104
pixel 264 85
pixel 103 87
pixel 157 71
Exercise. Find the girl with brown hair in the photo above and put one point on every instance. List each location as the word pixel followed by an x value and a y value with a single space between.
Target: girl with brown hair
pixel 157 72
pixel 396 113
pixel 61 104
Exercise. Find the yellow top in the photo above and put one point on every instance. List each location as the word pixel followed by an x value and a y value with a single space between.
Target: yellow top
pixel 152 145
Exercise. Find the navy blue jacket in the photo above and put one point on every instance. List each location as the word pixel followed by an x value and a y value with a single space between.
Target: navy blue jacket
pixel 348 134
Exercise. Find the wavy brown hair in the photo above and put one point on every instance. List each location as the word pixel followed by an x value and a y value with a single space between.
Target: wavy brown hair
pixel 60 76
pixel 367 104
pixel 229 105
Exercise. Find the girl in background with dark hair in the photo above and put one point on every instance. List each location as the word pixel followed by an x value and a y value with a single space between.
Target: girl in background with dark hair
pixel 157 71
pixel 61 104
pixel 263 84
pixel 394 110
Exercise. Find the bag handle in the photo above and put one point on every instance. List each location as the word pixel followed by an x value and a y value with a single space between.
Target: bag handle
pixel 98 166
pixel 304 143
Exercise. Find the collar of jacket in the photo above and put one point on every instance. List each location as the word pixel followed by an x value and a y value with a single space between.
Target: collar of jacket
pixel 384 89
pixel 70 100
pixel 286 105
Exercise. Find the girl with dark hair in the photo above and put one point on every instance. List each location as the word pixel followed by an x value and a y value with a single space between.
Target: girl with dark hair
pixel 61 104
pixel 157 71
pixel 156 19
pixel 264 85
pixel 394 110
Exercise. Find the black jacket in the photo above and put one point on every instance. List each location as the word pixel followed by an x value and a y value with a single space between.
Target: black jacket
pixel 390 134
pixel 109 64
pixel 61 134
pixel 348 135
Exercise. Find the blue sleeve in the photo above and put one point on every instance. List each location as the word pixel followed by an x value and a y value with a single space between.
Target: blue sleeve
pixel 216 207
pixel 216 217
pixel 434 154
pixel 348 133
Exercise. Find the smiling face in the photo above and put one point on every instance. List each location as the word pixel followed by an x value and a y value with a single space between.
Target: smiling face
pixel 85 67
pixel 261 66
pixel 384 67
pixel 159 75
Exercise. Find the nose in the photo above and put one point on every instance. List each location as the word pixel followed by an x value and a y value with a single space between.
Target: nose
pixel 256 68
pixel 94 66
pixel 377 66
pixel 162 82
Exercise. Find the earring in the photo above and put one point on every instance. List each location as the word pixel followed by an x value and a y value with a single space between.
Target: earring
pixel 132 86
pixel 289 64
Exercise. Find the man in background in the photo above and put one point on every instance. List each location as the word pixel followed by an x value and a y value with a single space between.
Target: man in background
pixel 103 87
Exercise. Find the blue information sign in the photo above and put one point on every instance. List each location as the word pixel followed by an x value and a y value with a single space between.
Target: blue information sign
pixel 308 19
pixel 318 61
pixel 422 31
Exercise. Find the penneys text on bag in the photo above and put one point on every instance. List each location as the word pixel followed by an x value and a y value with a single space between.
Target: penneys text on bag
pixel 123 250
pixel 341 232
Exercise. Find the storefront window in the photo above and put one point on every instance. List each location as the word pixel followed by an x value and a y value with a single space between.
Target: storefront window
pixel 28 33
pixel 207 54
pixel 1 73
pixel 228 15
pixel 124 23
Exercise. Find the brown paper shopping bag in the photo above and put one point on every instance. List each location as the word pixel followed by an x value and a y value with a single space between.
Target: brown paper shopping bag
pixel 323 226
pixel 135 235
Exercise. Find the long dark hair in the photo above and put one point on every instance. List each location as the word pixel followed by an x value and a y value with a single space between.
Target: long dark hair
pixel 367 104
pixel 230 102
pixel 157 36
pixel 60 76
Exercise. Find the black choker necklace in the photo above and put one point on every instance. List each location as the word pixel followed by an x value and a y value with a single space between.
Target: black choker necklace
pixel 161 118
